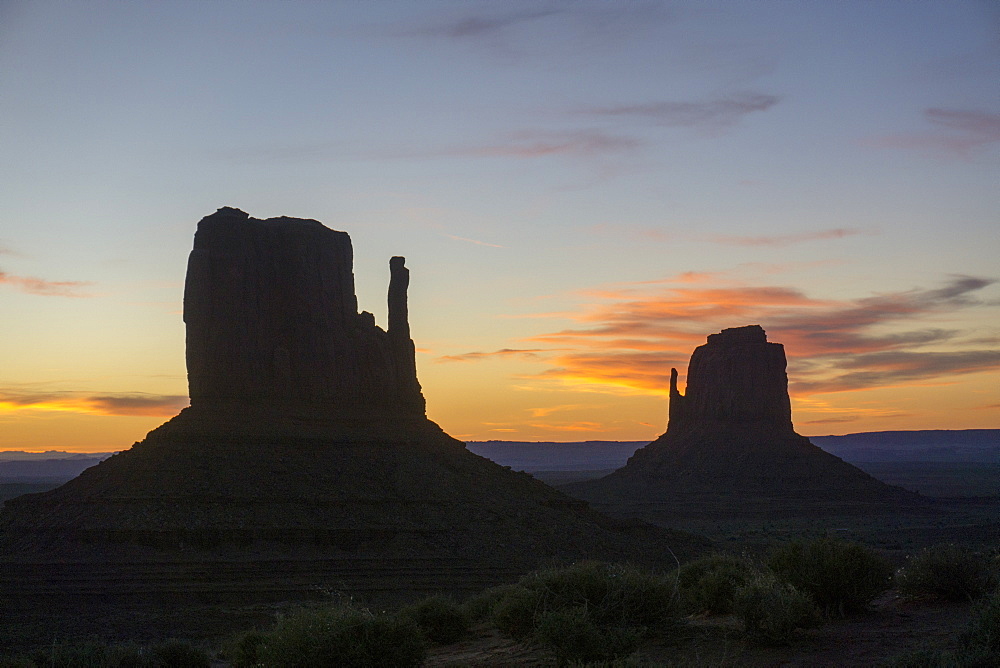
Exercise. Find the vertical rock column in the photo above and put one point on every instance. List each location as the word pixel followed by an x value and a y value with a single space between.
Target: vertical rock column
pixel 403 350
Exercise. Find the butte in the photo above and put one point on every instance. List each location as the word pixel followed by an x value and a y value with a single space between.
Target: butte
pixel 304 464
pixel 730 449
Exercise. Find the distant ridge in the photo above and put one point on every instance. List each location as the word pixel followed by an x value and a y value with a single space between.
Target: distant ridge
pixel 925 445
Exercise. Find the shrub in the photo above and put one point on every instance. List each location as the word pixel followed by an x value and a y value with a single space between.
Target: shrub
pixel 86 654
pixel 178 654
pixel 440 618
pixel 574 637
pixel 588 609
pixel 613 595
pixel 771 610
pixel 515 612
pixel 345 637
pixel 709 584
pixel 842 577
pixel 242 650
pixel 946 572
pixel 480 607
pixel 984 628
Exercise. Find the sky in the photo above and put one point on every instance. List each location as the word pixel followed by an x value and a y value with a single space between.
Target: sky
pixel 583 192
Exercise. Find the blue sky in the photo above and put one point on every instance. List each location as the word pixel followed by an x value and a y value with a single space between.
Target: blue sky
pixel 583 192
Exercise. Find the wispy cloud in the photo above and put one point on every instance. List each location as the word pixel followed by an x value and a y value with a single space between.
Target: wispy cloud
pixel 630 336
pixel 507 30
pixel 538 144
pixel 45 288
pixel 505 352
pixel 956 132
pixel 471 241
pixel 480 25
pixel 711 115
pixel 786 239
pixel 545 411
pixel 524 144
pixel 7 250
pixel 135 403
pixel 655 234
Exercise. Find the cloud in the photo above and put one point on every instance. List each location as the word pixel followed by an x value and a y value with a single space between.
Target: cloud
pixel 961 131
pixel 646 234
pixel 629 336
pixel 132 404
pixel 786 239
pixel 505 352
pixel 477 26
pixel 576 27
pixel 533 144
pixel 525 144
pixel 40 286
pixel 549 410
pixel 894 368
pixel 712 115
pixel 833 420
pixel 471 241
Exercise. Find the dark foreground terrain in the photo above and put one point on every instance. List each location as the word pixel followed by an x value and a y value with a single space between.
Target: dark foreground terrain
pixel 964 509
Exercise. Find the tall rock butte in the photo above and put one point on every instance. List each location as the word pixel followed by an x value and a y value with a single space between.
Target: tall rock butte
pixel 305 463
pixel 730 448
pixel 272 319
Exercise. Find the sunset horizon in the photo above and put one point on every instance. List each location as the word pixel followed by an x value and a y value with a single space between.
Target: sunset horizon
pixel 583 193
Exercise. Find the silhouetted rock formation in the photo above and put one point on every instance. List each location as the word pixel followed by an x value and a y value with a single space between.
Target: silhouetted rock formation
pixel 304 462
pixel 730 448
pixel 272 318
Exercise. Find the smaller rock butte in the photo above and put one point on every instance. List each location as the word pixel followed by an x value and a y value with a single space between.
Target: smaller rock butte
pixel 730 448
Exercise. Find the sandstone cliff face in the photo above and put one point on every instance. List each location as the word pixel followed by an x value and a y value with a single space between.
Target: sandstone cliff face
pixel 730 448
pixel 272 317
pixel 738 377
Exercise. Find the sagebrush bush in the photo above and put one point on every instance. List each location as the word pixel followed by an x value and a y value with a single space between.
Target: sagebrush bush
pixel 96 654
pixel 842 577
pixel 613 594
pixel 242 649
pixel 516 611
pixel 580 607
pixel 480 607
pixel 575 638
pixel 177 654
pixel 946 572
pixel 440 618
pixel 84 654
pixel 771 609
pixel 707 585
pixel 984 628
pixel 342 636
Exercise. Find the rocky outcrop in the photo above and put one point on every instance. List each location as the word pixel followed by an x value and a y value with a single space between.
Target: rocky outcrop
pixel 272 318
pixel 730 448
pixel 738 377
pixel 305 462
